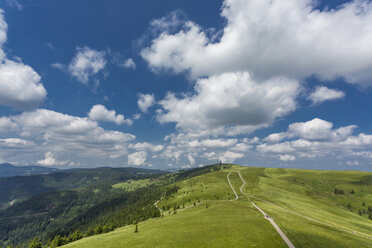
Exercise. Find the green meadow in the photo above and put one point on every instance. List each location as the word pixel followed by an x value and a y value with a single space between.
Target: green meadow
pixel 132 185
pixel 302 202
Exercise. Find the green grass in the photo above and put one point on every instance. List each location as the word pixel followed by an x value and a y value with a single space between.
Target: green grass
pixel 306 233
pixel 211 186
pixel 311 193
pixel 132 185
pixel 236 223
pixel 224 224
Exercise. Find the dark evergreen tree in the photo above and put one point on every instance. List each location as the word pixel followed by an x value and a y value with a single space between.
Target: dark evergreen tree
pixel 35 243
pixel 57 241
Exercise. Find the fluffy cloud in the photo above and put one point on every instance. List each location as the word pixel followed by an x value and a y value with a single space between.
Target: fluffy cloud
pixel 20 85
pixel 353 163
pixel 210 155
pixel 365 154
pixel 87 63
pixel 318 129
pixel 213 143
pixel 100 113
pixel 72 138
pixel 145 101
pixel 314 139
pixel 15 143
pixel 191 159
pixel 231 103
pixel 50 160
pixel 323 93
pixel 172 152
pixel 275 137
pixel 184 148
pixel 3 31
pixel 145 146
pixel 230 157
pixel 261 37
pixel 137 158
pixel 287 157
pixel 241 147
pixel 7 125
pixel 54 125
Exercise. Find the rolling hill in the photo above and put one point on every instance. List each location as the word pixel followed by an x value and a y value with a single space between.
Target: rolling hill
pixel 59 203
pixel 312 208
pixel 9 170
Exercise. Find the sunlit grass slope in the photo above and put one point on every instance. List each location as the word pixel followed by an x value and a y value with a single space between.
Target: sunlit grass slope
pixel 187 221
pixel 224 224
pixel 311 194
pixel 132 185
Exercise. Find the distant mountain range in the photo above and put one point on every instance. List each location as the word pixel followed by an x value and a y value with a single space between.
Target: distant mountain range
pixel 9 170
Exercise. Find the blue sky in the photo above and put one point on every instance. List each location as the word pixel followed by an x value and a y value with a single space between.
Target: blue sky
pixel 179 84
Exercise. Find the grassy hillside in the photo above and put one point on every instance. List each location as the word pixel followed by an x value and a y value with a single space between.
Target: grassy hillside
pixel 302 202
pixel 132 185
pixel 310 193
pixel 16 189
pixel 224 224
pixel 89 202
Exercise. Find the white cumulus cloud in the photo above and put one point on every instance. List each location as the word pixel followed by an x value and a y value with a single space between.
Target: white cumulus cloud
pixel 20 85
pixel 137 158
pixel 231 103
pixel 315 139
pixel 287 157
pixel 7 125
pixel 263 38
pixel 230 157
pixel 322 94
pixel 145 146
pixel 15 143
pixel 50 159
pixel 75 139
pixel 145 101
pixel 191 159
pixel 100 113
pixel 87 63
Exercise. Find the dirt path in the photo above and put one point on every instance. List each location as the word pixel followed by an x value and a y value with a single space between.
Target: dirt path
pixel 319 222
pixel 277 228
pixel 156 205
pixel 303 216
pixel 236 195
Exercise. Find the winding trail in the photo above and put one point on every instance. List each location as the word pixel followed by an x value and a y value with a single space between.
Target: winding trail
pixel 236 195
pixel 340 228
pixel 277 228
pixel 156 205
